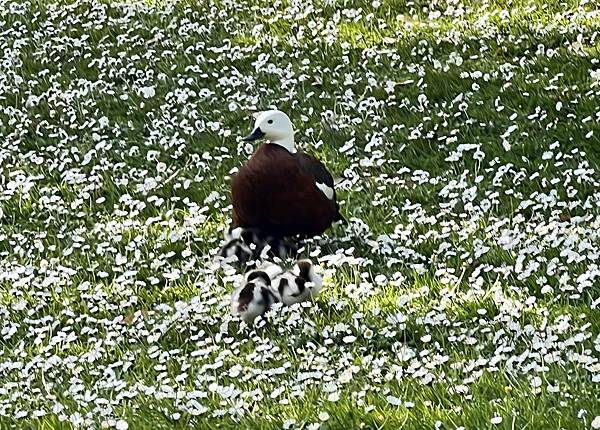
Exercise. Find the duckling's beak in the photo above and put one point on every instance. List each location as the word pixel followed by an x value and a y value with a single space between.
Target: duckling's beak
pixel 255 135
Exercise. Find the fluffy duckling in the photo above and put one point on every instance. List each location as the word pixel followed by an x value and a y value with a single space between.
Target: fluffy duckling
pixel 281 248
pixel 241 244
pixel 299 284
pixel 254 297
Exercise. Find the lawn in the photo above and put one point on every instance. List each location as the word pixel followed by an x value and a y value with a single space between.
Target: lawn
pixel 463 293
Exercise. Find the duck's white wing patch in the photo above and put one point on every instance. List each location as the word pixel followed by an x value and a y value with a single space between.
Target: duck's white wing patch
pixel 327 190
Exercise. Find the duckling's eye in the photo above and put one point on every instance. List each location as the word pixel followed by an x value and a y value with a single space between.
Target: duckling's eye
pixel 270 121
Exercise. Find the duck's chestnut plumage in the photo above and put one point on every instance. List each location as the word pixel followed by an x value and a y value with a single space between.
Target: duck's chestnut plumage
pixel 274 193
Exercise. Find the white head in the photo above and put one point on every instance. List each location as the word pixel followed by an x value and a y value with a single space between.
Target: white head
pixel 276 127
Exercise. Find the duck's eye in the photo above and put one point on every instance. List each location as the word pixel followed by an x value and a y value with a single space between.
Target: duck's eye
pixel 270 121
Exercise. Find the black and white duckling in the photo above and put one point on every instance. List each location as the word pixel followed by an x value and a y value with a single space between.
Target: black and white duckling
pixel 236 249
pixel 299 284
pixel 269 284
pixel 254 297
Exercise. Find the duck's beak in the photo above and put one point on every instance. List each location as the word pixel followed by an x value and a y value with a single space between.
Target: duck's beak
pixel 256 134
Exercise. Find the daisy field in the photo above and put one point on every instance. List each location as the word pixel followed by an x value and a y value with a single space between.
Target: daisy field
pixel 464 137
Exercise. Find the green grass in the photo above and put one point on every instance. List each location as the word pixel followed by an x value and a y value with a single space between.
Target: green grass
pixel 108 289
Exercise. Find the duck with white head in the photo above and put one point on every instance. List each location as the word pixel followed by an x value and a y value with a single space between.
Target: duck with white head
pixel 275 127
pixel 281 191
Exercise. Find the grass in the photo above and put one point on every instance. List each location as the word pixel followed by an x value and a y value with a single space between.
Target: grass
pixel 112 208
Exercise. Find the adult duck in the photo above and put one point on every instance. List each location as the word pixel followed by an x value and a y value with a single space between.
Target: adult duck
pixel 281 191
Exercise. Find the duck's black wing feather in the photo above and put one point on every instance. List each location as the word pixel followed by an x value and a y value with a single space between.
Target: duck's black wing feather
pixel 313 166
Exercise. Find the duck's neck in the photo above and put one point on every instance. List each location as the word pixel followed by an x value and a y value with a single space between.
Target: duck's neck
pixel 286 142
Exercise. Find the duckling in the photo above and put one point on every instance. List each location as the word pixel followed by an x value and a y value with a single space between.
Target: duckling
pixel 244 244
pixel 270 284
pixel 254 297
pixel 299 284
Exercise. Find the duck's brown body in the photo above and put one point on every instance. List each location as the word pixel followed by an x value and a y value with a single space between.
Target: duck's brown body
pixel 275 192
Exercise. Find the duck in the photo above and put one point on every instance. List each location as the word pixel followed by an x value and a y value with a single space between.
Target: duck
pixel 240 245
pixel 280 191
